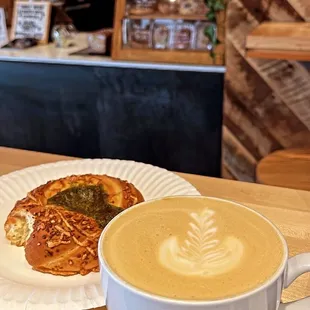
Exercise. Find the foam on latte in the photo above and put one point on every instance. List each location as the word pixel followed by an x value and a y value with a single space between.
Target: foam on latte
pixel 204 252
pixel 193 248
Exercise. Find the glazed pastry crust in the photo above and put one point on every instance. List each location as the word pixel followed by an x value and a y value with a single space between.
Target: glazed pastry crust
pixel 62 242
pixel 59 241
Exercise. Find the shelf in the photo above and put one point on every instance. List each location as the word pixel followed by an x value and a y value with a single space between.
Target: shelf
pixel 191 57
pixel 165 16
pixel 277 54
pixel 280 41
pixel 167 50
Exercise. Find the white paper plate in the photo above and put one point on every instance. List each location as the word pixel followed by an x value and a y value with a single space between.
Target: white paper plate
pixel 23 288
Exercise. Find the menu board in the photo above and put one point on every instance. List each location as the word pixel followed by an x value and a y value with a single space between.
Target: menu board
pixel 3 30
pixel 31 20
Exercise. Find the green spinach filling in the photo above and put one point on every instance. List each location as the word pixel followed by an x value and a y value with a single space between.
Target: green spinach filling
pixel 90 200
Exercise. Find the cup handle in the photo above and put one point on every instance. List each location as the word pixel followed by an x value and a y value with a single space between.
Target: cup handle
pixel 297 265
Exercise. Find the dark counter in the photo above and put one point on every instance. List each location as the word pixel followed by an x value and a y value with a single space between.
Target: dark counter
pixel 171 119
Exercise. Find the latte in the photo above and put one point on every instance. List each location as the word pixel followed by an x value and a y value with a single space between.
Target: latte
pixel 192 248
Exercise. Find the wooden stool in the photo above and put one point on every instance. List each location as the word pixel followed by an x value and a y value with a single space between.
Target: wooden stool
pixel 286 168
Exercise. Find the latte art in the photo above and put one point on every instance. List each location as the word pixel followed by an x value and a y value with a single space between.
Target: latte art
pixel 192 248
pixel 202 253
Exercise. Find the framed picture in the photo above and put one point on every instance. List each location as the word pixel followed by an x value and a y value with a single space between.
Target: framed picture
pixel 3 29
pixel 31 20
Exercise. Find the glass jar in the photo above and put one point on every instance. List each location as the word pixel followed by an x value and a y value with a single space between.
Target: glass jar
pixel 63 35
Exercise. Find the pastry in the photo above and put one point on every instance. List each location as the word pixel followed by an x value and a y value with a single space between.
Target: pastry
pixel 54 215
pixel 184 35
pixel 161 35
pixel 139 34
pixel 62 242
pixel 192 7
pixel 142 7
pixel 168 6
pixel 188 7
pixel 202 9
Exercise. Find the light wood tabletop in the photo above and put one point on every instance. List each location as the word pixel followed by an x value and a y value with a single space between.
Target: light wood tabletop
pixel 289 209
pixel 286 168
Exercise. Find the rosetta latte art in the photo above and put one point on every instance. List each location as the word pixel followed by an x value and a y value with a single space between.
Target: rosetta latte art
pixel 204 252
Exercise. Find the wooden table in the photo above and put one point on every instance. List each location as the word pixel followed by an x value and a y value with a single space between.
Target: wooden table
pixel 289 209
pixel 286 168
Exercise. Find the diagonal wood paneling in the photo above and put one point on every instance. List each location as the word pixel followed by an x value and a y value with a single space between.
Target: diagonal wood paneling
pixel 275 10
pixel 267 102
pixel 302 7
pixel 235 154
pixel 249 130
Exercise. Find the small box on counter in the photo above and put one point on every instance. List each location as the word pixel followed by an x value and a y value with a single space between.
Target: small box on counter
pixel 99 41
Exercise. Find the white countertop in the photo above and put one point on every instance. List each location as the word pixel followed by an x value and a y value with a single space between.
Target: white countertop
pixel 51 55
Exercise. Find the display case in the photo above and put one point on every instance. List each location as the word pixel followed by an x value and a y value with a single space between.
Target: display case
pixel 169 31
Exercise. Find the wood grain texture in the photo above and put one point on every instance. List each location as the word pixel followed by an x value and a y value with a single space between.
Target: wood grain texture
pixel 289 209
pixel 286 168
pixel 302 7
pixel 278 40
pixel 276 54
pixel 280 36
pixel 234 152
pixel 266 101
pixel 272 10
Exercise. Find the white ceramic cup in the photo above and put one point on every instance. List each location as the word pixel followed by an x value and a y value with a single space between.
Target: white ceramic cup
pixel 123 296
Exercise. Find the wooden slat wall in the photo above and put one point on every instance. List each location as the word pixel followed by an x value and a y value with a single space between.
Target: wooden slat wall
pixel 267 102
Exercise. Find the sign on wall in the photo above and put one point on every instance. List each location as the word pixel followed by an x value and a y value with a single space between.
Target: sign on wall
pixel 3 30
pixel 31 20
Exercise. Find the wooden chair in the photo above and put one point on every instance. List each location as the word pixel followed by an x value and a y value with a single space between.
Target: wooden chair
pixel 286 168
